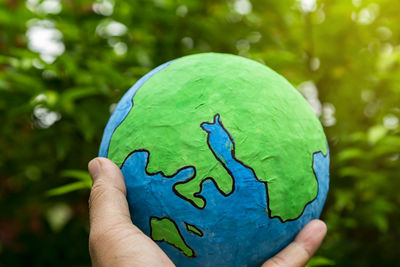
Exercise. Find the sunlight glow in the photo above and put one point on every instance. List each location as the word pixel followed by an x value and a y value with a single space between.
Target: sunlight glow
pixel 243 7
pixel 45 39
pixel 110 28
pixel 310 92
pixel 44 7
pixel 103 7
pixel 45 117
pixel 307 5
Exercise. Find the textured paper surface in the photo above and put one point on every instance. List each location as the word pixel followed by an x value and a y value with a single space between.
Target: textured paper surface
pixel 275 130
pixel 216 151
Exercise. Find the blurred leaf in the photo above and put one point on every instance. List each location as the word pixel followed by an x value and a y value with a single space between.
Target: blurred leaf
pixel 68 188
pixel 376 133
pixel 320 261
pixel 381 222
pixel 58 215
pixel 349 154
pixel 77 174
pixel 347 49
pixel 351 172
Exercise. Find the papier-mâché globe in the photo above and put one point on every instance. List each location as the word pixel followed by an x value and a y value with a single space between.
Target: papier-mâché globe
pixel 224 160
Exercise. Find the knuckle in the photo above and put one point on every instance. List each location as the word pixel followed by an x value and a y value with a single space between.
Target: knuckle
pixel 100 236
pixel 97 241
pixel 104 235
pixel 96 237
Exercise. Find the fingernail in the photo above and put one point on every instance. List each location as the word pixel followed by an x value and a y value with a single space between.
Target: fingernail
pixel 94 167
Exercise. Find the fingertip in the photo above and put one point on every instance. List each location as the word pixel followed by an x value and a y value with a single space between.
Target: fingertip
pixel 107 171
pixel 315 228
pixel 100 164
pixel 94 168
pixel 312 235
pixel 103 161
pixel 318 224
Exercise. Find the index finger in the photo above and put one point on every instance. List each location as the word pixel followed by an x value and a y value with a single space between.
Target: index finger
pixel 300 251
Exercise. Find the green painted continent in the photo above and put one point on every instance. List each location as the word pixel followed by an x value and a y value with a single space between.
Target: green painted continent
pixel 193 229
pixel 165 229
pixel 274 129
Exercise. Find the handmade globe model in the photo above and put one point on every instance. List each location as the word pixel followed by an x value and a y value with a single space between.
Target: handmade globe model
pixel 224 161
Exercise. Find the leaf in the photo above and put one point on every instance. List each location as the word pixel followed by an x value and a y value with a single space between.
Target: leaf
pixel 376 133
pixel 381 222
pixel 77 174
pixel 62 190
pixel 349 154
pixel 320 261
pixel 58 216
pixel 351 172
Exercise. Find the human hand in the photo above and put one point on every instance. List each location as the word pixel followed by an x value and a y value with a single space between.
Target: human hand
pixel 115 241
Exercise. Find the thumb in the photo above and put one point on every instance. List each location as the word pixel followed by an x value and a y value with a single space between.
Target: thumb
pixel 113 239
pixel 108 206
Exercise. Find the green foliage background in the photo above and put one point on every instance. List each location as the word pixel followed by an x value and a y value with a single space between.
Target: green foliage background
pixel 53 109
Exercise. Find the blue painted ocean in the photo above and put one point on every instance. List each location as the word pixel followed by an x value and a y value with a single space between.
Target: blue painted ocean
pixel 237 229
